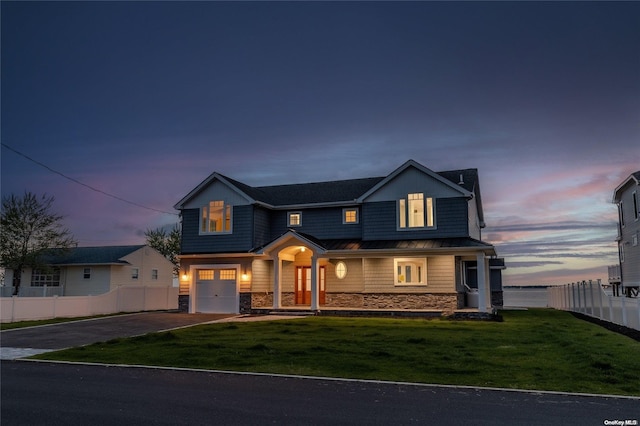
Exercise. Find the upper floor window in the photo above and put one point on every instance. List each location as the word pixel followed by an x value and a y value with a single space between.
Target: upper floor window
pixel 415 211
pixel 635 205
pixel 86 273
pixel 134 273
pixel 215 218
pixel 350 216
pixel 154 274
pixel 294 219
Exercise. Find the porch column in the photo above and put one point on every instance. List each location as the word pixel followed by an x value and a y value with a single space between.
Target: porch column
pixel 484 286
pixel 315 294
pixel 277 281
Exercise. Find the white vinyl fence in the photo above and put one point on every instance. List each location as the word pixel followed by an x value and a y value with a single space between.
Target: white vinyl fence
pixel 122 299
pixel 589 298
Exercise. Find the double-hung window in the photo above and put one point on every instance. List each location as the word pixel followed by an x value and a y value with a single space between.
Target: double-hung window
pixel 415 211
pixel 215 218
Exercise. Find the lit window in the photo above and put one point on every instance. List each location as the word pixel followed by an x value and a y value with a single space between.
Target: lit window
pixel 227 274
pixel 49 278
pixel 415 211
pixel 410 271
pixel 134 273
pixel 350 216
pixel 154 274
pixel 216 218
pixel 205 274
pixel 341 270
pixel 86 274
pixel 295 219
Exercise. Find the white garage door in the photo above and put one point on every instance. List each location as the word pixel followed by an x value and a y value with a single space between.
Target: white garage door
pixel 216 291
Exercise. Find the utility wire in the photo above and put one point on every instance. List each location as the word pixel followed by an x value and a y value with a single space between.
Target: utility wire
pixel 84 184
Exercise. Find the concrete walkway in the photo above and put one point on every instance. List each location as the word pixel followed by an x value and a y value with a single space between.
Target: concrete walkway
pixel 24 342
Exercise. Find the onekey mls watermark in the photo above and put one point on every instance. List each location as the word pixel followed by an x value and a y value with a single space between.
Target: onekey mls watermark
pixel 627 422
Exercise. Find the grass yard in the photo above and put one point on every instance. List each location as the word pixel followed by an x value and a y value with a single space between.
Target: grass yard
pixel 536 349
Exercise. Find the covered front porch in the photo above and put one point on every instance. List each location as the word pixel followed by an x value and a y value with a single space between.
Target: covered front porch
pixel 296 273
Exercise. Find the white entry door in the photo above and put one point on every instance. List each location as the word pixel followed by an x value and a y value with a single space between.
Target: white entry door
pixel 216 291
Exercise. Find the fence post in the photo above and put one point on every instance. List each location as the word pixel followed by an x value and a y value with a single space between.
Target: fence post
pixel 600 298
pixel 593 302
pixel 624 312
pixel 610 298
pixel 573 298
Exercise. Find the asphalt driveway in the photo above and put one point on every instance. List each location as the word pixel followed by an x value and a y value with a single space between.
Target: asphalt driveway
pixel 27 341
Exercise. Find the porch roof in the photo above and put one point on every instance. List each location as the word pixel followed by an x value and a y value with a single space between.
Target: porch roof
pixel 342 245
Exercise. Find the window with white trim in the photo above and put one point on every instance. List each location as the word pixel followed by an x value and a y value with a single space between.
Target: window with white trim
pixel 86 273
pixel 635 205
pixel 415 211
pixel 410 271
pixel 154 274
pixel 135 272
pixel 294 219
pixel 215 218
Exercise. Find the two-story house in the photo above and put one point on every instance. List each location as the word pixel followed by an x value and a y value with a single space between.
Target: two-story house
pixel 627 197
pixel 410 240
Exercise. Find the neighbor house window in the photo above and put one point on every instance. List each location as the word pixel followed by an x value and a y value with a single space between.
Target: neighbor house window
pixel 154 274
pixel 134 273
pixel 415 211
pixel 49 278
pixel 86 274
pixel 215 218
pixel 635 205
pixel 350 216
pixel 410 271
pixel 294 219
pixel 621 213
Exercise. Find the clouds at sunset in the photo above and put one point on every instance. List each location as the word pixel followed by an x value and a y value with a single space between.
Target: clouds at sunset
pixel 144 100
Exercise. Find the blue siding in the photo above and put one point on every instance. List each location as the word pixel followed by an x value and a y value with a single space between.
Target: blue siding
pixel 261 226
pixel 380 222
pixel 323 223
pixel 241 240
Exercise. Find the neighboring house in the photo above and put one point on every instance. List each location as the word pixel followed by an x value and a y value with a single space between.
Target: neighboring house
pixel 407 241
pixel 83 271
pixel 627 197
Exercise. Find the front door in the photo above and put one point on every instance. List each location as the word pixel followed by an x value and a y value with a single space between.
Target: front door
pixel 303 285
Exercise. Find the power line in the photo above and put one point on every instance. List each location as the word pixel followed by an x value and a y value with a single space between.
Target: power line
pixel 84 184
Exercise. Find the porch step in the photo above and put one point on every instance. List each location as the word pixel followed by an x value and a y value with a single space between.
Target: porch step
pixel 293 313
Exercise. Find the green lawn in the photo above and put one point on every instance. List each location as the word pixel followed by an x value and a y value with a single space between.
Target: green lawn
pixel 536 349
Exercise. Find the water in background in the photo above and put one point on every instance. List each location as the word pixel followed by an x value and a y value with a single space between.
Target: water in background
pixel 525 297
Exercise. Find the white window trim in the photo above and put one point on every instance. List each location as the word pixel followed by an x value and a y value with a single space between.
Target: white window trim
pixel 224 208
pixel 84 273
pixel 340 265
pixel 344 216
pixel 397 279
pixel 636 205
pixel 135 273
pixel 289 214
pixel 154 274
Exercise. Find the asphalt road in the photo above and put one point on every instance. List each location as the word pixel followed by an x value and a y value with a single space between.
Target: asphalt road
pixel 38 393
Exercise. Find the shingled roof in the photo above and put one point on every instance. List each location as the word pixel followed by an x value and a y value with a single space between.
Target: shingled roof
pixel 337 191
pixel 106 255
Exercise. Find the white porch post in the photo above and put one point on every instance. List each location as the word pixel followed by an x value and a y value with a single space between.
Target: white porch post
pixel 315 294
pixel 484 286
pixel 277 282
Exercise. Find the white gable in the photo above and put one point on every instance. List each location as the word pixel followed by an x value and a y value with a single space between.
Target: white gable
pixel 413 180
pixel 216 190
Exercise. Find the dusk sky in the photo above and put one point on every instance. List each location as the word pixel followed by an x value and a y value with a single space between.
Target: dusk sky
pixel 143 100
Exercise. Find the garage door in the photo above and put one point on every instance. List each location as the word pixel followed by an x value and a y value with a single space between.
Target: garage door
pixel 216 291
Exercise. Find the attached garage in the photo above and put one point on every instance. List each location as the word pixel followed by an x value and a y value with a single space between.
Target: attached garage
pixel 216 291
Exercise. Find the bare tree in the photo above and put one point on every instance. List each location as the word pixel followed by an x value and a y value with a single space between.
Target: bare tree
pixel 167 243
pixel 28 232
